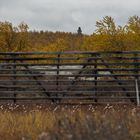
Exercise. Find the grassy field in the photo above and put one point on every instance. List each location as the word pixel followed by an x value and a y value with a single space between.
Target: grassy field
pixel 75 122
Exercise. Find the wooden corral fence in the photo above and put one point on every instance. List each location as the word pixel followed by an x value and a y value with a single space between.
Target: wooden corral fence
pixel 70 77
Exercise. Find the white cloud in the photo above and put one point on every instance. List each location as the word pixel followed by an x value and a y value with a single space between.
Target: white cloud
pixel 66 15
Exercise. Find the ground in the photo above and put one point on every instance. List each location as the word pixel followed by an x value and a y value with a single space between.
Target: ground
pixel 69 122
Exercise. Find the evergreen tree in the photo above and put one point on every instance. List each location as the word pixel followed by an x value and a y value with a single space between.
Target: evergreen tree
pixel 79 31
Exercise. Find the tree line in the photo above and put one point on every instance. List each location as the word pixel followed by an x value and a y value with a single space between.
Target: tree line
pixel 108 36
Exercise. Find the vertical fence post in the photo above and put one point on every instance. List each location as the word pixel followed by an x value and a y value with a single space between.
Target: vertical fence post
pixel 136 77
pixel 14 76
pixel 136 65
pixel 96 77
pixel 57 75
pixel 137 92
pixel 58 72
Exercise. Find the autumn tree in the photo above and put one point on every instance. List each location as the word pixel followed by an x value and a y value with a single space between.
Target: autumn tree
pixel 8 36
pixel 23 38
pixel 106 26
pixel 133 24
pixel 133 33
pixel 110 36
pixel 13 38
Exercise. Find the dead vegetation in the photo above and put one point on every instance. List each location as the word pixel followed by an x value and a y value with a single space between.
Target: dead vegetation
pixel 63 122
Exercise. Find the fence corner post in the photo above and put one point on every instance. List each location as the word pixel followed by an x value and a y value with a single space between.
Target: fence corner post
pixel 137 93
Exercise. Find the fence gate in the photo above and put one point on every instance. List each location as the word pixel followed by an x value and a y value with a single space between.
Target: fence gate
pixel 90 77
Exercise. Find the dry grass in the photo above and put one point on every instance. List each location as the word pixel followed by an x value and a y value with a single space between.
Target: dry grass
pixel 55 122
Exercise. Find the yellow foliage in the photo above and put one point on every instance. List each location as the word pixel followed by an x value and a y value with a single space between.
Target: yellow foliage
pixel 108 36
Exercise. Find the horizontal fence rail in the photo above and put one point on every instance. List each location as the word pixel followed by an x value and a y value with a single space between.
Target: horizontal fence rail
pixel 70 77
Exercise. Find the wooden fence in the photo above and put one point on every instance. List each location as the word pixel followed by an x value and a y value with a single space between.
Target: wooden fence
pixel 90 77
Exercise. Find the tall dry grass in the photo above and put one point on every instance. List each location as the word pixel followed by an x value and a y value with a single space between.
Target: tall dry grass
pixel 55 122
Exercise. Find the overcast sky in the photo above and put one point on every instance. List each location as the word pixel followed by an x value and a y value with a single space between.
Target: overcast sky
pixel 66 15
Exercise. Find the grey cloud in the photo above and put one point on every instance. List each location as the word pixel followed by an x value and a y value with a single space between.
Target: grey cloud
pixel 66 15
